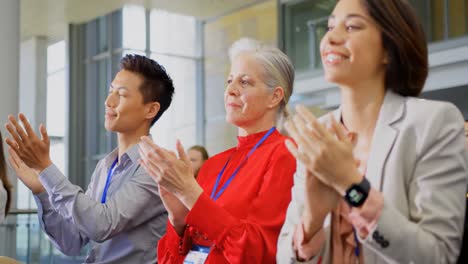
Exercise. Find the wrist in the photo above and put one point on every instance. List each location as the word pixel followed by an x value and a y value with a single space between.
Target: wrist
pixel 355 178
pixel 190 195
pixel 357 194
pixel 179 225
pixel 312 223
pixel 44 165
pixel 38 190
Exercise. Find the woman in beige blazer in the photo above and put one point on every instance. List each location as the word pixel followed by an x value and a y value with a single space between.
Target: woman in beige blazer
pixel 382 179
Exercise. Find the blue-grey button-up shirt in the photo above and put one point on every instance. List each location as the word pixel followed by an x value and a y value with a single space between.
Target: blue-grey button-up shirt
pixel 126 229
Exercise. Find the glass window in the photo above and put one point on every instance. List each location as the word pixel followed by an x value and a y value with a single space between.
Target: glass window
pixel 173 33
pixel 56 104
pixel 138 52
pixel 458 18
pixel 102 87
pixel 102 35
pixel 117 33
pixel 57 152
pixel 56 57
pixel 182 111
pixel 305 25
pixel 438 16
pixel 183 74
pixel 134 27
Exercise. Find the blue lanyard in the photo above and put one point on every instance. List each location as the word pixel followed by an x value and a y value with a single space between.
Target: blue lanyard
pixel 215 195
pixel 356 249
pixel 109 177
pixel 202 249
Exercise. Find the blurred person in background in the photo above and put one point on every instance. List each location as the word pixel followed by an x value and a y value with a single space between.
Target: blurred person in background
pixel 197 155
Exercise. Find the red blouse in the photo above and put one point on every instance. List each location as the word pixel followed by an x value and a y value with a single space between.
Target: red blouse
pixel 243 225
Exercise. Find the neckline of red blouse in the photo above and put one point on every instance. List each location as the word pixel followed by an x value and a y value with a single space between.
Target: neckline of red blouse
pixel 250 140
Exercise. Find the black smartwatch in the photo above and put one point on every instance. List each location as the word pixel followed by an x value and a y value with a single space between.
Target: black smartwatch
pixel 357 194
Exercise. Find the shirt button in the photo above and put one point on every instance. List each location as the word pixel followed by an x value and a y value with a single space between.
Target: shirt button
pixel 385 244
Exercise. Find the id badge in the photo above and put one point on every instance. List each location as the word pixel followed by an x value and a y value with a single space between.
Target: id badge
pixel 197 255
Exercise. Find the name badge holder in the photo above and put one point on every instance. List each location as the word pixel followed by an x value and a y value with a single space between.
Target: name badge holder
pixel 197 255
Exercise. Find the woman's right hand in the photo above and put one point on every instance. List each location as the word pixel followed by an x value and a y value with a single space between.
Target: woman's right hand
pixel 175 208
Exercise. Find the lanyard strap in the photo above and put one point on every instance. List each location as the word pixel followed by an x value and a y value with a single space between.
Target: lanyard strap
pixel 215 195
pixel 202 249
pixel 109 177
pixel 356 249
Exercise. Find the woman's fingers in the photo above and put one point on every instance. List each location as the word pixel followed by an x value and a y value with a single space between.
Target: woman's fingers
pixel 151 159
pixel 305 133
pixel 312 121
pixel 339 130
pixel 292 148
pixel 182 154
pixel 148 146
pixel 297 131
pixel 151 170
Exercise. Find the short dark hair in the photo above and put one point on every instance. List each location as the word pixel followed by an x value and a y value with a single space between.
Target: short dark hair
pixel 4 177
pixel 202 150
pixel 405 43
pixel 157 85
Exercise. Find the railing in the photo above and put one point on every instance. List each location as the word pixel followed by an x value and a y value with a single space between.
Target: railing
pixel 21 238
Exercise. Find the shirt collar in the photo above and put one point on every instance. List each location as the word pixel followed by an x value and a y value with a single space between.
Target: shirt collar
pixel 132 153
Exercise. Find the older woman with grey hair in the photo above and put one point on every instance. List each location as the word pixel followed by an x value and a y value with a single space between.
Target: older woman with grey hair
pixel 234 211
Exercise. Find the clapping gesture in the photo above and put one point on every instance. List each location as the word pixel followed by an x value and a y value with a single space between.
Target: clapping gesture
pixel 31 149
pixel 326 152
pixel 174 174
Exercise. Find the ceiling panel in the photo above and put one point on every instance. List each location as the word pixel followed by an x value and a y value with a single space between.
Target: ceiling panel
pixel 49 18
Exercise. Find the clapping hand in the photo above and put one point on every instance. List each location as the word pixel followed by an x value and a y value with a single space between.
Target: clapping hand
pixel 28 176
pixel 326 153
pixel 31 149
pixel 174 174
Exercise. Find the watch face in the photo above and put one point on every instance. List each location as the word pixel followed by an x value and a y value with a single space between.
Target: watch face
pixel 355 197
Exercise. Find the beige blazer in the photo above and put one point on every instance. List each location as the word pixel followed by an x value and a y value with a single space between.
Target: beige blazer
pixel 419 162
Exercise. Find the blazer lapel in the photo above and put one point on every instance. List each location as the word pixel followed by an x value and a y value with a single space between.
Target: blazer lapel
pixel 392 110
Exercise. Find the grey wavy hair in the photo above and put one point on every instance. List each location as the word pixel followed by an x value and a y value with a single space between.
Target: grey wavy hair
pixel 277 68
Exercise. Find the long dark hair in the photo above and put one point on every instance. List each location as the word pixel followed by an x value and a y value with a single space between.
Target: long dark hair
pixel 4 176
pixel 405 43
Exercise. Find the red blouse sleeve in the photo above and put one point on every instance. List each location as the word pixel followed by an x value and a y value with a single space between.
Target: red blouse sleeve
pixel 251 239
pixel 172 248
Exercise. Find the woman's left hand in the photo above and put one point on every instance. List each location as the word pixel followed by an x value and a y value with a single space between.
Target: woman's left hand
pixel 327 153
pixel 173 173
